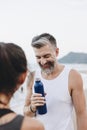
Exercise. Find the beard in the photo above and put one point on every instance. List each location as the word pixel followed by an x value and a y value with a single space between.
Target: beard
pixel 48 67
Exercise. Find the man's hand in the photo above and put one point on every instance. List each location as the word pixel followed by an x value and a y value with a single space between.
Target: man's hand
pixel 37 100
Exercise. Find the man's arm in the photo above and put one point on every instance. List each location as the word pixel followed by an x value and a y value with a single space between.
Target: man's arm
pixel 78 98
pixel 32 99
pixel 27 108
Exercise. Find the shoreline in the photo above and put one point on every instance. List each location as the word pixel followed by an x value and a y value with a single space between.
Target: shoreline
pixel 83 71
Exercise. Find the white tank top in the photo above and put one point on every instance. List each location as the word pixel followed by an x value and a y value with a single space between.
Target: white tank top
pixel 59 103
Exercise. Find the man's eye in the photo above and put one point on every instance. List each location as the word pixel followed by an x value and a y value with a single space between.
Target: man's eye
pixel 47 56
pixel 37 57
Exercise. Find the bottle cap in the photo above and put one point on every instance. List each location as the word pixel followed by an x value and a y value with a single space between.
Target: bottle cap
pixel 37 79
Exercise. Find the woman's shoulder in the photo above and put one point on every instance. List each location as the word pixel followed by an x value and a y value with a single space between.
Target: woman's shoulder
pixel 31 124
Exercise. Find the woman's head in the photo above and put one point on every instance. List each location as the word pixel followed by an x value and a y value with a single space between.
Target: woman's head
pixel 13 66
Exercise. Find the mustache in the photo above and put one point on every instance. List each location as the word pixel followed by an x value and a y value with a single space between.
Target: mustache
pixel 50 63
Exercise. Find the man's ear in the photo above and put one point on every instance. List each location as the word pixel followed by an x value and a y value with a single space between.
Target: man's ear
pixel 57 51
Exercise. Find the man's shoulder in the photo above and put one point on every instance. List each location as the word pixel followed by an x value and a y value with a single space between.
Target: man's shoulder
pixel 75 79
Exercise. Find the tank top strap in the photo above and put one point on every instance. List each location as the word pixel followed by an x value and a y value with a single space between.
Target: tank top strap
pixel 67 69
pixel 5 111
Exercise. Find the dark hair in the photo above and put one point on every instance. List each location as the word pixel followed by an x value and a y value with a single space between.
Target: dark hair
pixel 43 39
pixel 12 64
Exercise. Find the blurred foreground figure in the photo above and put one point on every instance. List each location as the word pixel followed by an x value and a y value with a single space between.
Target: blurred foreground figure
pixel 13 71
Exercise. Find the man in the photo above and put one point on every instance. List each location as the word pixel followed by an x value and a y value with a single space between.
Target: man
pixel 63 87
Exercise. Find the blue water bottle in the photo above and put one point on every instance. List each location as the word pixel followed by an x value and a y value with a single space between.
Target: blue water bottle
pixel 39 88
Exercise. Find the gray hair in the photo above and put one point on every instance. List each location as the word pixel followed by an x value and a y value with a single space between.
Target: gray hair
pixel 42 40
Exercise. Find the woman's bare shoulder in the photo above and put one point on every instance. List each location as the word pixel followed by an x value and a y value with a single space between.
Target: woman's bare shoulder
pixel 31 124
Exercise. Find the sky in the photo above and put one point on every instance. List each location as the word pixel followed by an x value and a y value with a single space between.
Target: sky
pixel 66 20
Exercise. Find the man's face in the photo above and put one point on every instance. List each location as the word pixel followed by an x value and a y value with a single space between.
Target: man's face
pixel 46 57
